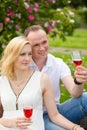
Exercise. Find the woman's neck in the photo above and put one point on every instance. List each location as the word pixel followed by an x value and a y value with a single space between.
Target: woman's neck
pixel 20 75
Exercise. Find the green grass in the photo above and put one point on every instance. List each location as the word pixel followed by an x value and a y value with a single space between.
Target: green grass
pixel 78 40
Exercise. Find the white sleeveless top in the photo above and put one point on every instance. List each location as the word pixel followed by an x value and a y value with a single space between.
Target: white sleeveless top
pixel 30 95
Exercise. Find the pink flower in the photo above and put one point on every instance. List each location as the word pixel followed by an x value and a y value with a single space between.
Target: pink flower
pixel 30 10
pixel 7 19
pixel 17 27
pixel 35 10
pixel 11 13
pixel 52 23
pixel 46 24
pixel 49 29
pixel 31 18
pixel 36 5
pixel 1 25
pixel 26 5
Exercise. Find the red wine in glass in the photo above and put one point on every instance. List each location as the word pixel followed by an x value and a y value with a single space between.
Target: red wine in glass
pixel 77 62
pixel 76 58
pixel 28 111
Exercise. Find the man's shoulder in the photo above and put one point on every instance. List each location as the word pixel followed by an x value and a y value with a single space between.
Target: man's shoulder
pixel 56 59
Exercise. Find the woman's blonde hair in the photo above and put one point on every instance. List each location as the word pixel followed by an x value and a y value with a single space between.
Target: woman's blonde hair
pixel 10 55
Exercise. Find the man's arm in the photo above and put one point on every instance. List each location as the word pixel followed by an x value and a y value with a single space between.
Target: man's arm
pixel 74 89
pixel 75 86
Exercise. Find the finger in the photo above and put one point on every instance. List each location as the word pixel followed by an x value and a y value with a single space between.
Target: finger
pixel 23 123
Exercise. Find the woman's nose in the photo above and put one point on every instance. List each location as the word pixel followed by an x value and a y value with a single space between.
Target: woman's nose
pixel 27 57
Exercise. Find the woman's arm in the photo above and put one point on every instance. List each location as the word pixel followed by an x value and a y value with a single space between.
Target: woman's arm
pixel 55 116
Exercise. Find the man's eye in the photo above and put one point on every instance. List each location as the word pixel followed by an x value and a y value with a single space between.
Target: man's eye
pixel 36 45
pixel 44 42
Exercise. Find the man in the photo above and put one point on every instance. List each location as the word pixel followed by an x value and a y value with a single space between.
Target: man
pixel 74 109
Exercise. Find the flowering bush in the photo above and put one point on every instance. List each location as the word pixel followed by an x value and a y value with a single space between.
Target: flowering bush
pixel 17 15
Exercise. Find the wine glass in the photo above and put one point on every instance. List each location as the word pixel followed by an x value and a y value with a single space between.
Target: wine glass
pixel 76 58
pixel 28 111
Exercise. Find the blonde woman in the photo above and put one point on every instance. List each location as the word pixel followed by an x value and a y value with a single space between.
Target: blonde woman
pixel 21 86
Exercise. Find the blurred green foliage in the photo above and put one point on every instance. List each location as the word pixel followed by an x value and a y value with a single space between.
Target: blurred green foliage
pixel 55 16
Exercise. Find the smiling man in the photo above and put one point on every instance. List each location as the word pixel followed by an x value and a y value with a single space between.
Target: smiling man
pixel 58 70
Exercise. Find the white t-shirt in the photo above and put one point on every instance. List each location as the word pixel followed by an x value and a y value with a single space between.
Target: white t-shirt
pixel 56 70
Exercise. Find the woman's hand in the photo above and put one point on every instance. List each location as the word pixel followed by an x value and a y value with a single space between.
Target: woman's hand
pixel 77 127
pixel 23 123
pixel 20 123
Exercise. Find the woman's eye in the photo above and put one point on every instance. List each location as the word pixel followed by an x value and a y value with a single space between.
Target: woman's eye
pixel 22 54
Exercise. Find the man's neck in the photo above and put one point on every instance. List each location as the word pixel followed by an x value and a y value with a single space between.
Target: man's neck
pixel 40 64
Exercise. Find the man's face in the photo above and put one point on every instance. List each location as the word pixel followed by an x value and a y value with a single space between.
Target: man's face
pixel 39 42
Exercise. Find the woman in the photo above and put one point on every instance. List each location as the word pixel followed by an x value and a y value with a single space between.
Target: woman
pixel 21 86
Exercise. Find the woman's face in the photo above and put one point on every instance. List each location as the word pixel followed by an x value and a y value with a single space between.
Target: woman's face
pixel 23 60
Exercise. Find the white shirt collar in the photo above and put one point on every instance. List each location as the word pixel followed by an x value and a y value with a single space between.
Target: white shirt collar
pixel 48 62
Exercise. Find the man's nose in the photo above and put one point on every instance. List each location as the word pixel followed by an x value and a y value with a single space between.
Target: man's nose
pixel 41 47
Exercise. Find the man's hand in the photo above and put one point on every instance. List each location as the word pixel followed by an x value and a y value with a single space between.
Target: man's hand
pixel 81 74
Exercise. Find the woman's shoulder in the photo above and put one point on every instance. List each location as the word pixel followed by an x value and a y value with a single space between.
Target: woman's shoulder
pixel 2 82
pixel 3 79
